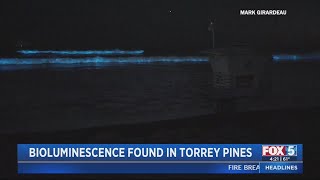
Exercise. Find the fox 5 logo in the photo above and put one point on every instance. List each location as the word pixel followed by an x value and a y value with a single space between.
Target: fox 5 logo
pixel 279 150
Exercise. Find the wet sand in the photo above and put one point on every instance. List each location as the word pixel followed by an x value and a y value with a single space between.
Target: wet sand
pixel 51 99
pixel 277 126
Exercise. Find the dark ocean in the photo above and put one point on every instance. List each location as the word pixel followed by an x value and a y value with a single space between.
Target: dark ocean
pixel 62 93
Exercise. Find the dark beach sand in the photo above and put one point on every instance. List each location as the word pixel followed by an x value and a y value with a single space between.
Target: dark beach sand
pixel 277 126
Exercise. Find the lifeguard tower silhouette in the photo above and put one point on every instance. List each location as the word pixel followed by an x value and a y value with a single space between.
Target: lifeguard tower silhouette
pixel 238 72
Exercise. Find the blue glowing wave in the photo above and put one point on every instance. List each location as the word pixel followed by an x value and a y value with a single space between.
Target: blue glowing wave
pixel 88 52
pixel 100 60
pixel 293 57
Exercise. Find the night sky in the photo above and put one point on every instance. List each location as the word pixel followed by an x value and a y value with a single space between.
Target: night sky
pixel 155 25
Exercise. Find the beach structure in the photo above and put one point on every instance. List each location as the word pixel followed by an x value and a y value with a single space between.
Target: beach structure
pixel 244 78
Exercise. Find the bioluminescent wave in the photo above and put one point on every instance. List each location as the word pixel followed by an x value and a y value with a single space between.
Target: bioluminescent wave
pixel 87 52
pixel 100 60
pixel 294 57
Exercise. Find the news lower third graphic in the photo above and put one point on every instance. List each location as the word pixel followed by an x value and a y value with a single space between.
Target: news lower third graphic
pixel 160 159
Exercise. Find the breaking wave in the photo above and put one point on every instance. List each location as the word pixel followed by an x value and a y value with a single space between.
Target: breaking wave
pixel 100 60
pixel 85 52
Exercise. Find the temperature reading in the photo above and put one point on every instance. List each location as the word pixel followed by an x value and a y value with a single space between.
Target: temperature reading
pixel 285 158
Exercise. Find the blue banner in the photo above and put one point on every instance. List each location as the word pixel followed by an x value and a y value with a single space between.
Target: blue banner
pixel 159 158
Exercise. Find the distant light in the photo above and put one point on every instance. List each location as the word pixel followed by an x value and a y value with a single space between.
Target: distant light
pixel 293 57
pixel 88 52
pixel 285 57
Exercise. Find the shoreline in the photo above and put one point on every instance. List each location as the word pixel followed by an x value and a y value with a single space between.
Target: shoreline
pixel 190 123
pixel 261 127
